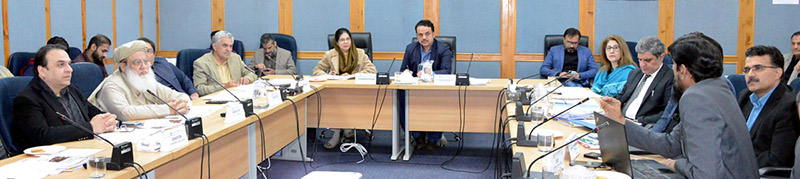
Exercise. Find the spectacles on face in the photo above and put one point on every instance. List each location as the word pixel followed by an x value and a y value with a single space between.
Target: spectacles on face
pixel 138 63
pixel 345 39
pixel 612 48
pixel 572 43
pixel 756 68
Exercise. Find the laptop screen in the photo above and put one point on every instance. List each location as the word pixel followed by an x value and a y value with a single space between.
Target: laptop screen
pixel 613 145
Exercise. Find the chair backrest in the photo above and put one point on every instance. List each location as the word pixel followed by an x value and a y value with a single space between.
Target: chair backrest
pixel 186 58
pixel 74 52
pixel 632 49
pixel 238 48
pixel 9 88
pixel 286 42
pixel 795 86
pixel 86 77
pixel 451 41
pixel 20 60
pixel 362 40
pixel 738 82
pixel 553 40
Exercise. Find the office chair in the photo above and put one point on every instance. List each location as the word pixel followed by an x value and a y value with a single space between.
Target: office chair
pixel 553 40
pixel 19 61
pixel 451 41
pixel 87 76
pixel 186 58
pixel 285 42
pixel 9 88
pixel 74 52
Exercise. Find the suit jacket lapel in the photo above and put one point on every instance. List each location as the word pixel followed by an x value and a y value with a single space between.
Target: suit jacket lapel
pixel 657 79
pixel 773 100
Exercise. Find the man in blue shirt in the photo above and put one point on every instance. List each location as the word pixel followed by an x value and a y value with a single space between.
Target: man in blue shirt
pixel 769 108
pixel 569 57
pixel 169 75
pixel 426 49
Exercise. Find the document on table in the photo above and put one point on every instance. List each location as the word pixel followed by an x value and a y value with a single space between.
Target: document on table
pixel 576 93
pixel 478 81
pixel 337 77
pixel 40 167
pixel 242 92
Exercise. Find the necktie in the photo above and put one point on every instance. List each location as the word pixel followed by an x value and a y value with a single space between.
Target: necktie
pixel 636 92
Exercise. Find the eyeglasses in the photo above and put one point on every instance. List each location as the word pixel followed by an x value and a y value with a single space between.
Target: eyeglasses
pixel 137 63
pixel 344 39
pixel 756 68
pixel 612 48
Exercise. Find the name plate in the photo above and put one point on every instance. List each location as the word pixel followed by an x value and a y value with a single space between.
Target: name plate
pixel 365 79
pixel 274 98
pixel 234 112
pixel 444 80
pixel 173 138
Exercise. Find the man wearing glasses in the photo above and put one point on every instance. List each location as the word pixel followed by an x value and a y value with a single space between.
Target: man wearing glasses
pixel 125 92
pixel 570 61
pixel 769 107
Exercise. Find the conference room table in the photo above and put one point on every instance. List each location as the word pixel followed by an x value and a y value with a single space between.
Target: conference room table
pixel 235 147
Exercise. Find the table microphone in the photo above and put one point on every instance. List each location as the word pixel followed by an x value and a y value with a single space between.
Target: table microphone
pixel 247 104
pixel 121 154
pixel 563 145
pixel 194 125
pixel 462 79
pixel 525 140
pixel 382 78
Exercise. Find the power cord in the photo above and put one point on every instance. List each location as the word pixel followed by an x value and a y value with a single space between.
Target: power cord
pixel 144 172
pixel 361 150
pixel 297 125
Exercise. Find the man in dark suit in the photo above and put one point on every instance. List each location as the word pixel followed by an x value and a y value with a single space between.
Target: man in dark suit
pixel 711 140
pixel 35 120
pixel 562 60
pixel 427 48
pixel 647 91
pixel 769 108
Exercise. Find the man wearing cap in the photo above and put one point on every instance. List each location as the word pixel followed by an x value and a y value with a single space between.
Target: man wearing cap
pixel 124 92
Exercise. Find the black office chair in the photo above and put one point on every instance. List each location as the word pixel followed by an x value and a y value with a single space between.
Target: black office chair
pixel 286 42
pixel 553 40
pixel 451 41
pixel 632 49
pixel 362 40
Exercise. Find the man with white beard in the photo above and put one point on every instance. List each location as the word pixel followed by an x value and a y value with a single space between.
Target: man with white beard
pixel 124 92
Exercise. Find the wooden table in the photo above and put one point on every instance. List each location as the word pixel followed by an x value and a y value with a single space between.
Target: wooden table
pixel 345 104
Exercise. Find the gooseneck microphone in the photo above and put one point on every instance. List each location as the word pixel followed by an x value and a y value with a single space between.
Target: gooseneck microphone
pixel 562 146
pixel 121 154
pixel 194 125
pixel 247 104
pixel 551 118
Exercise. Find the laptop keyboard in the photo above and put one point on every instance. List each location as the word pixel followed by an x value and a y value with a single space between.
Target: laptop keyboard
pixel 646 171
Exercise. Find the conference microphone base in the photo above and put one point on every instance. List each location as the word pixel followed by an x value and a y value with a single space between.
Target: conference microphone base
pixel 121 156
pixel 382 78
pixel 247 105
pixel 522 137
pixel 462 79
pixel 194 127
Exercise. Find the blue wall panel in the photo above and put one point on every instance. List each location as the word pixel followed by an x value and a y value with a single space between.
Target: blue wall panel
pixel 315 19
pixel 248 19
pixel 392 23
pixel 306 67
pixel 536 18
pixel 728 69
pixel 185 25
pixel 631 20
pixel 99 21
pixel 775 23
pixel 479 69
pixel 26 27
pixel 65 21
pixel 383 65
pixel 127 21
pixel 476 24
pixel 719 19
pixel 149 20
pixel 528 68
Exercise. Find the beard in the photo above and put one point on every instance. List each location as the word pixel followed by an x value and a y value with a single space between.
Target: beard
pixel 141 83
pixel 571 50
pixel 677 91
pixel 97 57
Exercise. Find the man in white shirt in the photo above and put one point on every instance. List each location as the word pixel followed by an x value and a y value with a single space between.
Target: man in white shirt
pixel 647 91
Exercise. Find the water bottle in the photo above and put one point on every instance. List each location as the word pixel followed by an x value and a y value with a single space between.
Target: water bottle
pixel 260 94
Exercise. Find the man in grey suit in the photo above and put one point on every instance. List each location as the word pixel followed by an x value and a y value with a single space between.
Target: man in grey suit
pixel 712 140
pixel 273 60
pixel 791 64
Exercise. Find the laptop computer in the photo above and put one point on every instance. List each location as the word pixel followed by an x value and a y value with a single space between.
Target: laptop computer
pixel 614 151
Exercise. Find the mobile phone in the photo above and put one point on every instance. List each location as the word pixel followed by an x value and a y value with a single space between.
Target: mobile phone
pixel 588 164
pixel 592 155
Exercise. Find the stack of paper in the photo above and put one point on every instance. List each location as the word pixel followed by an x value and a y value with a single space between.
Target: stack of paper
pixel 478 81
pixel 40 167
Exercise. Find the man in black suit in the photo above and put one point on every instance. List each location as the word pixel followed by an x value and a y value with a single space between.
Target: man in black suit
pixel 35 119
pixel 769 107
pixel 644 99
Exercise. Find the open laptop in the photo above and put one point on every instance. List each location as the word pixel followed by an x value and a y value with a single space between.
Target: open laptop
pixel 614 151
